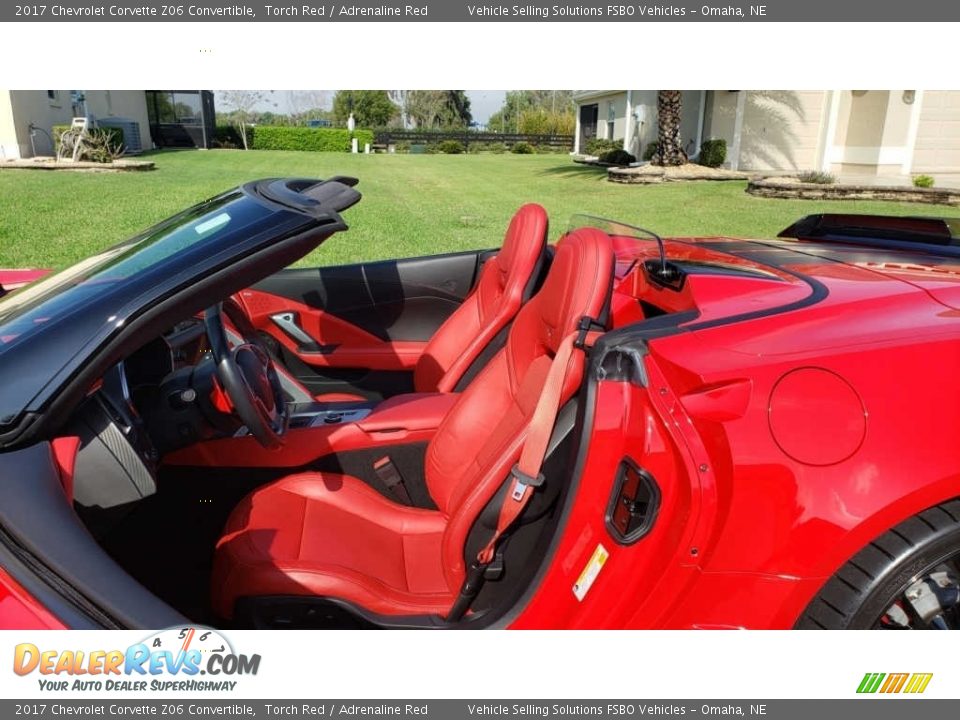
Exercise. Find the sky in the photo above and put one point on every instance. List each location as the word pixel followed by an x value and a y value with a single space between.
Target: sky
pixel 483 103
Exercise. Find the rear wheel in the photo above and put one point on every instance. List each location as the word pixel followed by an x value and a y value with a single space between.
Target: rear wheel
pixel 907 579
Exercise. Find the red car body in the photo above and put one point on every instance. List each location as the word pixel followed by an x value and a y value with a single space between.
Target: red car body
pixel 798 407
pixel 11 280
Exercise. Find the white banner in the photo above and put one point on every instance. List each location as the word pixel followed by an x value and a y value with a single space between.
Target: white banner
pixel 500 664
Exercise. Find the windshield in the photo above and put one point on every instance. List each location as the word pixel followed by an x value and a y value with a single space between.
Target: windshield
pixel 616 229
pixel 613 228
pixel 24 312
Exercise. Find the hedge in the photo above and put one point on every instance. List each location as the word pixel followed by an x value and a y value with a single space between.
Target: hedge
pixel 58 130
pixel 713 153
pixel 228 136
pixel 307 139
pixel 598 146
pixel 617 157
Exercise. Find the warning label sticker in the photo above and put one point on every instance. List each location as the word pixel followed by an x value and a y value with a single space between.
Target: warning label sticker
pixel 589 574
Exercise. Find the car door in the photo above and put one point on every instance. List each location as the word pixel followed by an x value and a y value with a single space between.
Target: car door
pixel 360 328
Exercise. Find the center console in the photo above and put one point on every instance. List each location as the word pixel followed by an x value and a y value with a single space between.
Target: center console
pixel 320 429
pixel 311 415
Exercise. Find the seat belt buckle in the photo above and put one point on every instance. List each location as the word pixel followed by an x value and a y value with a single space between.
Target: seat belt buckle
pixel 584 326
pixel 523 481
pixel 391 477
pixel 494 569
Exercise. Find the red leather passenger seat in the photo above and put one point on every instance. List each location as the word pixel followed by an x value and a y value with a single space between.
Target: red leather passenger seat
pixel 330 535
pixel 499 292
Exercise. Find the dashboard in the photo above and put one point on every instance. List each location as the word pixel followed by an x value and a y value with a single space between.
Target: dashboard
pixel 184 345
pixel 125 428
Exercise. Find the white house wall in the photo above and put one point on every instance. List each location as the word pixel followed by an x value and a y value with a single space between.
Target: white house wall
pixel 34 106
pixel 9 146
pixel 937 146
pixel 21 108
pixel 128 104
pixel 780 129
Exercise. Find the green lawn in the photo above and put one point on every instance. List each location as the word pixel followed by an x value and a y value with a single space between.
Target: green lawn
pixel 413 204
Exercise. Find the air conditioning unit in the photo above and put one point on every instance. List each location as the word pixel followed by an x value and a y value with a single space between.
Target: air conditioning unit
pixel 133 144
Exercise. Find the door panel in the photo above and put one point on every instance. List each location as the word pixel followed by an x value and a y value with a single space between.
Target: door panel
pixel 391 300
pixel 360 328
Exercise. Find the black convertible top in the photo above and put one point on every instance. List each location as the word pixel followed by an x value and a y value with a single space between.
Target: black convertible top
pixel 939 236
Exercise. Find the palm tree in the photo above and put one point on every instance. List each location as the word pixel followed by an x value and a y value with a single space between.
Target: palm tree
pixel 669 143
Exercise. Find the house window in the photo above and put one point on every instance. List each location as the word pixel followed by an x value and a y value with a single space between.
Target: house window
pixel 51 94
pixel 611 119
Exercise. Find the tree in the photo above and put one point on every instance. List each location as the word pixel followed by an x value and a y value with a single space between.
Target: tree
pixel 669 143
pixel 307 105
pixel 243 102
pixel 370 108
pixel 528 108
pixel 438 108
pixel 399 98
pixel 537 121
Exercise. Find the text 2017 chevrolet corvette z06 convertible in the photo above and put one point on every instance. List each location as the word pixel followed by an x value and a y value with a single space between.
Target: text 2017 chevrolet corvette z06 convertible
pixel 611 431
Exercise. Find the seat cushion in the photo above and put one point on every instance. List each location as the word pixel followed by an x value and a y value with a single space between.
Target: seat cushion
pixel 329 535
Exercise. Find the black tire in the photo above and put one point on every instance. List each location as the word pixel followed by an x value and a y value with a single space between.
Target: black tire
pixel 861 592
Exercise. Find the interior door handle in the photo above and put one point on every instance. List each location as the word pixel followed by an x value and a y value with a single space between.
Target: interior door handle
pixel 287 321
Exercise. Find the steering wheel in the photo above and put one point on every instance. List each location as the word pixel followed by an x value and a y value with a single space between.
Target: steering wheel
pixel 247 374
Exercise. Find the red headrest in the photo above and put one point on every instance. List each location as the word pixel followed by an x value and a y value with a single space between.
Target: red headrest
pixel 523 243
pixel 578 284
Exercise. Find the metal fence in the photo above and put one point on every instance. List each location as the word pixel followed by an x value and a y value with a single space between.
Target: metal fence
pixel 414 137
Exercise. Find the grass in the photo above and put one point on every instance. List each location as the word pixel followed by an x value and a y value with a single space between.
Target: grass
pixel 413 204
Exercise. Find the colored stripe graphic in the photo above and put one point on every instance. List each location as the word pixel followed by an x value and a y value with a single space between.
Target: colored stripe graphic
pixel 892 683
pixel 918 682
pixel 870 682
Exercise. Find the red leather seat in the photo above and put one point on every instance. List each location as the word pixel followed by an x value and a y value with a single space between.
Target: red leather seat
pixel 501 289
pixel 333 536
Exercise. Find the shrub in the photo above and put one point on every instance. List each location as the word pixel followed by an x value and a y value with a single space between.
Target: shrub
pixel 451 147
pixel 115 136
pixel 102 146
pixel 618 157
pixel 923 181
pixel 266 137
pixel 490 147
pixel 598 146
pixel 522 148
pixel 816 177
pixel 650 150
pixel 228 137
pixel 713 153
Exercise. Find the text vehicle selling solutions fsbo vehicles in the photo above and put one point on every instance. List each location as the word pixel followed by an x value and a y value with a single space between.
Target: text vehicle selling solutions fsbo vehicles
pixel 613 430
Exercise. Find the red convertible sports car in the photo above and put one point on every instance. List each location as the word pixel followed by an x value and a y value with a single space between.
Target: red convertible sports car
pixel 616 430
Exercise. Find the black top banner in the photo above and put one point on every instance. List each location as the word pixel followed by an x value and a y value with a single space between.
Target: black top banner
pixel 477 11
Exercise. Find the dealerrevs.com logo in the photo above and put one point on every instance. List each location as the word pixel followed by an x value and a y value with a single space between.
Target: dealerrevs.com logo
pixel 172 660
pixel 890 683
